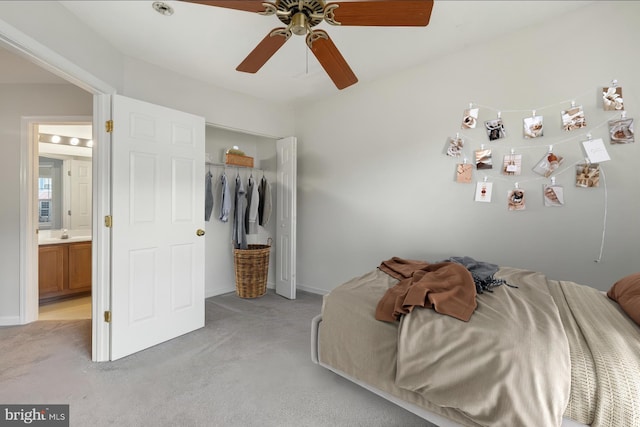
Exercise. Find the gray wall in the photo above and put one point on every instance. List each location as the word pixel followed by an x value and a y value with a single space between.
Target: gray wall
pixel 374 181
pixel 17 101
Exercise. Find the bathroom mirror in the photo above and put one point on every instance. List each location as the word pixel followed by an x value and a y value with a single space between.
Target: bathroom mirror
pixel 64 180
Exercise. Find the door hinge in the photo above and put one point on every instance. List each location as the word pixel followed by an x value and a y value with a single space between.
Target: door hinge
pixel 108 221
pixel 69 173
pixel 69 212
pixel 107 316
pixel 108 125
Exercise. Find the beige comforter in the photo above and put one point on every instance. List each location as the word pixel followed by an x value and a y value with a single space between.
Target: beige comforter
pixel 527 356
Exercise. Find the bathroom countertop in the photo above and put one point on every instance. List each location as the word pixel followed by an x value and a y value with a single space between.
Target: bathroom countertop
pixel 57 240
pixel 52 237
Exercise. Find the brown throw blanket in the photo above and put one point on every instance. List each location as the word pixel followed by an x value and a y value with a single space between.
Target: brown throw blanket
pixel 447 287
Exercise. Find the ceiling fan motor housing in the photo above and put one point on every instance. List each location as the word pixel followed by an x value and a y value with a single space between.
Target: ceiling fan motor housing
pixel 300 14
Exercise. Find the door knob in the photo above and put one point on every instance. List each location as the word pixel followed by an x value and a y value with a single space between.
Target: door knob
pixel 200 232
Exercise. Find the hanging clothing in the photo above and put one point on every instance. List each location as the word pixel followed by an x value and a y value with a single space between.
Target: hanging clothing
pixel 208 196
pixel 253 200
pixel 264 206
pixel 239 232
pixel 225 199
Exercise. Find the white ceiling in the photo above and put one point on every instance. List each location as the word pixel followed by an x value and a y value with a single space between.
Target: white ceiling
pixel 207 43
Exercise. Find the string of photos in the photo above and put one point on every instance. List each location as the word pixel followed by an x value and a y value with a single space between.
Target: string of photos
pixel 588 172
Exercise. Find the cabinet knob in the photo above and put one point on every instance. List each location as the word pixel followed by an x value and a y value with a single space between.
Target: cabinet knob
pixel 200 232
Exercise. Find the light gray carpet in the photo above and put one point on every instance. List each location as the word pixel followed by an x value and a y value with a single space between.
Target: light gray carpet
pixel 249 366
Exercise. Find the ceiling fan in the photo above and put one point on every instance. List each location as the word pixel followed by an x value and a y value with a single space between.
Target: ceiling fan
pixel 300 16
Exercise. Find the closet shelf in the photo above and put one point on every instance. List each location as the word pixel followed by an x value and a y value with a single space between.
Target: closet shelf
pixel 231 166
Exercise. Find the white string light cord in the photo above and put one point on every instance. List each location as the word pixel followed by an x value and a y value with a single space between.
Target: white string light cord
pixel 560 172
pixel 560 142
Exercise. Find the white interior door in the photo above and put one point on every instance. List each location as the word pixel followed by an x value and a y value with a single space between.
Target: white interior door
pixel 157 290
pixel 80 195
pixel 286 159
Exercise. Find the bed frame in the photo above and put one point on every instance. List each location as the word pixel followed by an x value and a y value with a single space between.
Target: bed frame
pixel 417 410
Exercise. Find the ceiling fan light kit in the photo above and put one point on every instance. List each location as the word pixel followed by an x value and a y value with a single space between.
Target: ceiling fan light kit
pixel 300 16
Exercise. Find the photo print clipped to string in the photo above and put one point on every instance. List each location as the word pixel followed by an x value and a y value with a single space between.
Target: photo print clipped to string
pixel 470 117
pixel 454 146
pixel 621 130
pixel 612 97
pixel 483 191
pixel 533 126
pixel 595 150
pixel 587 174
pixel 495 128
pixel 573 118
pixel 516 199
pixel 553 194
pixel 512 164
pixel 483 158
pixel 464 172
pixel 548 164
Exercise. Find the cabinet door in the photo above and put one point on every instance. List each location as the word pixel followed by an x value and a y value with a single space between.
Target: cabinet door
pixel 52 265
pixel 80 266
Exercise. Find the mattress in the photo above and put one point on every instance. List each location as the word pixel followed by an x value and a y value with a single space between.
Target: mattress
pixel 348 340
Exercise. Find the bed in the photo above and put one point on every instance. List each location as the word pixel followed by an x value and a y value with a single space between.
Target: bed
pixel 535 352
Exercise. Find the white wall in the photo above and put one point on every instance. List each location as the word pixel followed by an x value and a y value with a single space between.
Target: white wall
pixel 218 106
pixel 17 101
pixel 374 181
pixel 220 273
pixel 53 26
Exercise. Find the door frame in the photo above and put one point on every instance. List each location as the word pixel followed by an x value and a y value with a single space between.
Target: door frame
pixel 32 50
pixel 29 209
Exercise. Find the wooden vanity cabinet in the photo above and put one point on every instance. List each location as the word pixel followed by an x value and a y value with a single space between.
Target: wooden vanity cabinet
pixel 64 270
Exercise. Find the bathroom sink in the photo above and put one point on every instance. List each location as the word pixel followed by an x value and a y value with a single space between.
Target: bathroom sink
pixel 50 237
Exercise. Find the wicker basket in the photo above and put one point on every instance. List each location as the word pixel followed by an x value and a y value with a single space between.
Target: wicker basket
pixel 252 268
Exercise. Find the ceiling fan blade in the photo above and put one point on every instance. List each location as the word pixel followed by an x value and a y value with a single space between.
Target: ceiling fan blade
pixel 246 5
pixel 264 50
pixel 331 59
pixel 383 13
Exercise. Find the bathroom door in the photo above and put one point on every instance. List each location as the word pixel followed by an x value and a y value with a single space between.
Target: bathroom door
pixel 80 195
pixel 157 276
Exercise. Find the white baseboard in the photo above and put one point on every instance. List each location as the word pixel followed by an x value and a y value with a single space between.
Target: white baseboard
pixel 10 320
pixel 221 290
pixel 312 290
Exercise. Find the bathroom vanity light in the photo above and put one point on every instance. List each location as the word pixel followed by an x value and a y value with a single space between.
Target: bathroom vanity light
pixel 65 140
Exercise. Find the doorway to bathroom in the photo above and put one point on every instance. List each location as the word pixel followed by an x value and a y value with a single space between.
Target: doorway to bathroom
pixel 64 218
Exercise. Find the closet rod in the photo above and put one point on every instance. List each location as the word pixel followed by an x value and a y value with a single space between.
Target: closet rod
pixel 231 166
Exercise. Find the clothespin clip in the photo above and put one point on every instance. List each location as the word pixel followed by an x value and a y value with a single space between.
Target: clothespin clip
pixel 513 151
pixel 614 83
pixel 457 135
pixel 485 178
pixel 587 161
pixel 623 115
pixel 550 149
pixel 573 104
pixel 533 113
pixel 499 114
pixel 470 105
pixel 516 185
pixel 482 146
pixel 589 136
pixel 464 161
pixel 553 180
